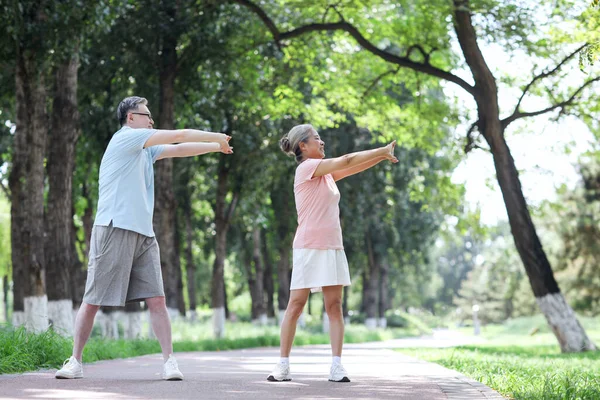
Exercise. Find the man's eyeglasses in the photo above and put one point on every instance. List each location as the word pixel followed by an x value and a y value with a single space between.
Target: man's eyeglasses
pixel 140 113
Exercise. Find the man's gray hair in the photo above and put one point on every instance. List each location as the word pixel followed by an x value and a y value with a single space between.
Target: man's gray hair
pixel 128 104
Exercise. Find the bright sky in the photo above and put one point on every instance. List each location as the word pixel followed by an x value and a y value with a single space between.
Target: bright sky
pixel 541 160
pixel 537 145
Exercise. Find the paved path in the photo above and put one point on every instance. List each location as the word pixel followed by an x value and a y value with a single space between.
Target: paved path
pixel 377 372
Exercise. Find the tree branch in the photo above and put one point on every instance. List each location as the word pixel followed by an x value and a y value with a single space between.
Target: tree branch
pixel 517 115
pixel 342 25
pixel 545 75
pixel 470 139
pixel 378 79
pixel 5 190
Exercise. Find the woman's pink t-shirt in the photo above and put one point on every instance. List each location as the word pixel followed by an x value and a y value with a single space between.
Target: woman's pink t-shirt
pixel 317 200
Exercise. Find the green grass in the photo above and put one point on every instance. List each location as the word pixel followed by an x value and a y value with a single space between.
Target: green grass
pixel 21 351
pixel 521 360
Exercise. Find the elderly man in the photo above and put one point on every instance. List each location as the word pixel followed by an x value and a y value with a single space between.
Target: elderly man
pixel 124 259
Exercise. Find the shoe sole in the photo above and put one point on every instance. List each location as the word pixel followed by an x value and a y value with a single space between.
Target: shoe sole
pixel 68 377
pixel 344 379
pixel 271 378
pixel 176 378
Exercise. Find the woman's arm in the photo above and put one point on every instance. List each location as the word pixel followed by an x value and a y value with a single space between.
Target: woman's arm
pixel 355 170
pixel 353 160
pixel 191 149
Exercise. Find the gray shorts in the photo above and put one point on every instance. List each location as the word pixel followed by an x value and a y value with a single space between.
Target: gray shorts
pixel 123 266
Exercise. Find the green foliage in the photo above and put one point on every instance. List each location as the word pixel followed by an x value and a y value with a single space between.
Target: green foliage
pixel 521 360
pixel 21 351
pixel 537 372
pixel 496 281
pixel 590 54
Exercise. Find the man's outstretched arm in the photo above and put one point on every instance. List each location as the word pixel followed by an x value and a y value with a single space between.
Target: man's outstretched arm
pixel 165 136
pixel 191 149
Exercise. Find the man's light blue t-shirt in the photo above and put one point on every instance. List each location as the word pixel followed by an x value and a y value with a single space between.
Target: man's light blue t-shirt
pixel 127 181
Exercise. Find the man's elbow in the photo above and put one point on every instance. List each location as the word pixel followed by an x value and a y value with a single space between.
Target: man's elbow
pixel 180 136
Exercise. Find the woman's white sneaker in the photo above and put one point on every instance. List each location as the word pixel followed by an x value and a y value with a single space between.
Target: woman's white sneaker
pixel 171 370
pixel 280 373
pixel 71 369
pixel 338 373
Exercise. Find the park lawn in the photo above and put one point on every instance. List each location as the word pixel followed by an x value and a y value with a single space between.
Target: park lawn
pixel 520 365
pixel 21 351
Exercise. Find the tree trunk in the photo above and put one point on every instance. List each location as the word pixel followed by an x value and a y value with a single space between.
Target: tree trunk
pixel 190 266
pixel 345 305
pixel 132 321
pixel 365 285
pixel 223 215
pixel 268 276
pixel 218 282
pixel 5 296
pixel 27 185
pixel 87 219
pixel 383 291
pixel 282 201
pixel 256 279
pixel 59 217
pixel 177 264
pixel 558 313
pixel 164 212
pixel 372 285
pixel 78 275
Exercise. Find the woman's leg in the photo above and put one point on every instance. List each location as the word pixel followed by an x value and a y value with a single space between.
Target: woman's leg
pixel 332 296
pixel 292 313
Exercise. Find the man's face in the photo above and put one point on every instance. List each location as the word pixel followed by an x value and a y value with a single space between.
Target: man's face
pixel 140 118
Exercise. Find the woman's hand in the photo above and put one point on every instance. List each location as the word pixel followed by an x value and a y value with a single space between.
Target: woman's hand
pixel 224 145
pixel 389 154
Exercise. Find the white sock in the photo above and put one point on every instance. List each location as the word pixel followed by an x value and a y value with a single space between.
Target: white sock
pixel 284 360
pixel 336 360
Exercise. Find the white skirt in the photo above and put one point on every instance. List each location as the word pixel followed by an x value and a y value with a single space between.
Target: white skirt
pixel 313 269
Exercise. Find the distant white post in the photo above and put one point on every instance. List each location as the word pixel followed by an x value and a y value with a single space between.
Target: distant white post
pixel 476 327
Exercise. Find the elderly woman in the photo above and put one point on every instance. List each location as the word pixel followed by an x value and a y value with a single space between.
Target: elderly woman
pixel 319 261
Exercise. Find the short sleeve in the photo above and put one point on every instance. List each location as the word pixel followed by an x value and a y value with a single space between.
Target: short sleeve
pixel 133 140
pixel 306 170
pixel 156 151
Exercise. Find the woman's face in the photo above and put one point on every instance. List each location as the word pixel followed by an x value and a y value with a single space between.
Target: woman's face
pixel 314 147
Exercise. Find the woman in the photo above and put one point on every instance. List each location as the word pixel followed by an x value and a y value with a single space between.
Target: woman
pixel 319 261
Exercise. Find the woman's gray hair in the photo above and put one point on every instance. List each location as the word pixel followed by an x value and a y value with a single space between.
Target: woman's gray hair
pixel 128 104
pixel 290 143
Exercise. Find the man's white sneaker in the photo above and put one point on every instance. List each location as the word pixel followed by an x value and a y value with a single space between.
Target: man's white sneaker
pixel 71 369
pixel 280 373
pixel 338 373
pixel 171 370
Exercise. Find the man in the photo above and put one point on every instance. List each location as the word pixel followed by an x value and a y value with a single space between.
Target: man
pixel 124 258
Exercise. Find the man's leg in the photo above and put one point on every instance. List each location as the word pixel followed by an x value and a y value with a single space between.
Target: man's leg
pixel 83 327
pixel 161 324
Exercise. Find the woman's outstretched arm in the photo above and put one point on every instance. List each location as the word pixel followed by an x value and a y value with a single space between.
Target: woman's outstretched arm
pixel 354 163
pixel 337 175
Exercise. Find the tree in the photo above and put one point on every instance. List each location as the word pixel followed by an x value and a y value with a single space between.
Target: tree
pixel 26 180
pixel 505 20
